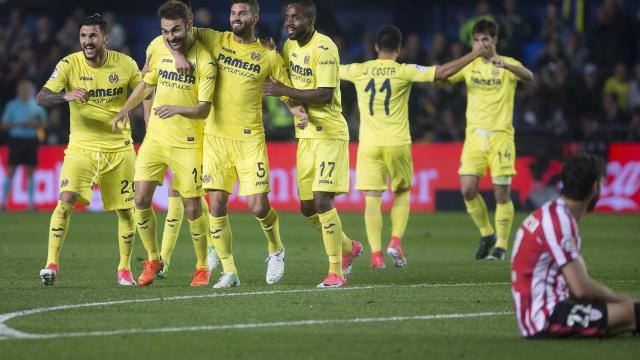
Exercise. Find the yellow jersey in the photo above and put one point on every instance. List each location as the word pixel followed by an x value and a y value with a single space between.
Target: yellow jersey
pixel 312 66
pixel 108 88
pixel 383 88
pixel 490 95
pixel 242 71
pixel 183 90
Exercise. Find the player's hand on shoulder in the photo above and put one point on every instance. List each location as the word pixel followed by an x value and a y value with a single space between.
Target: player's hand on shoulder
pixel 78 94
pixel 268 43
pixel 165 111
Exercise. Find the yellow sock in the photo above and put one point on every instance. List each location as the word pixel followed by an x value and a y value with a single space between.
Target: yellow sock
pixel 271 228
pixel 146 225
pixel 172 225
pixel 332 237
pixel 221 233
pixel 504 219
pixel 199 228
pixel 58 230
pixel 205 210
pixel 126 237
pixel 347 246
pixel 477 209
pixel 400 213
pixel 373 221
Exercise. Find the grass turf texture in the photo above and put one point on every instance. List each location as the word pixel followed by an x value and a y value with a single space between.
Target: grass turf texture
pixel 440 249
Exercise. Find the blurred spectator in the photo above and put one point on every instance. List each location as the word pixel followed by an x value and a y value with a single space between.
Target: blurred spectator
pixel 117 33
pixel 589 93
pixel 611 115
pixel 552 24
pixel 202 18
pixel 634 126
pixel 613 36
pixel 619 85
pixel 447 129
pixel 438 52
pixel 634 89
pixel 411 52
pixel 483 11
pixel 551 54
pixel 577 54
pixel 514 30
pixel 22 118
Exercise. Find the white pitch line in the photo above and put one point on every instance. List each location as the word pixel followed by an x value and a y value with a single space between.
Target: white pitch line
pixel 263 325
pixel 7 332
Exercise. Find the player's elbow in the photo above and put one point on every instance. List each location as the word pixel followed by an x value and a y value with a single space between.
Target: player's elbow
pixel 326 97
pixel 203 109
pixel 442 73
pixel 40 98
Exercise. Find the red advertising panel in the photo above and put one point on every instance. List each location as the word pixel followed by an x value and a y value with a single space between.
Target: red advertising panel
pixel 435 169
pixel 621 189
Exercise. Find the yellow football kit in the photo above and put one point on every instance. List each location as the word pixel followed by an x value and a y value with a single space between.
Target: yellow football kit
pixel 96 154
pixel 489 135
pixel 176 142
pixel 383 87
pixel 323 149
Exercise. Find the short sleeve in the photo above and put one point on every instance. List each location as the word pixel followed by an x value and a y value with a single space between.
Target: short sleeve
pixel 136 76
pixel 59 77
pixel 207 75
pixel 208 37
pixel 151 77
pixel 327 65
pixel 348 72
pixel 418 73
pixel 512 62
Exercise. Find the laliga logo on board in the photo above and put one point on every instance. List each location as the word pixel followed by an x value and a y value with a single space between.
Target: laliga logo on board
pixel 623 183
pixel 113 78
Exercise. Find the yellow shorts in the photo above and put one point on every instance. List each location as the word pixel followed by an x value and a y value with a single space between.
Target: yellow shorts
pixel 112 171
pixel 322 165
pixel 482 149
pixel 375 162
pixel 185 163
pixel 226 160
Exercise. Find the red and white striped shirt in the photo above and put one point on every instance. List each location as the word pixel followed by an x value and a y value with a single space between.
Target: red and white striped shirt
pixel 547 240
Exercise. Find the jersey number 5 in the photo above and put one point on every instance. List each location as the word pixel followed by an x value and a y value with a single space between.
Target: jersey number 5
pixel 386 87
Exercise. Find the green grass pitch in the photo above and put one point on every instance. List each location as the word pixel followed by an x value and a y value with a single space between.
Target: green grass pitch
pixel 444 305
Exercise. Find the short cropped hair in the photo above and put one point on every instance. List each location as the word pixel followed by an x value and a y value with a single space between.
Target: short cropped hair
pixel 579 172
pixel 186 2
pixel 253 5
pixel 95 19
pixel 310 9
pixel 389 38
pixel 174 10
pixel 486 26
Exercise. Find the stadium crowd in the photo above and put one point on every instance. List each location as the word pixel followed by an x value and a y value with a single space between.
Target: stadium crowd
pixel 586 89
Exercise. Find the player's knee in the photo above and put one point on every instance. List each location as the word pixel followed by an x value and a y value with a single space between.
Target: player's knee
pixel 307 208
pixel 469 193
pixel 218 207
pixel 143 201
pixel 322 205
pixel 502 196
pixel 260 210
pixel 69 197
pixel 192 209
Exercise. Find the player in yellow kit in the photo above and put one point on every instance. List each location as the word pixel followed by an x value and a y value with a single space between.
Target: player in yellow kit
pixel 175 208
pixel 323 148
pixel 491 82
pixel 383 87
pixel 174 136
pixel 95 82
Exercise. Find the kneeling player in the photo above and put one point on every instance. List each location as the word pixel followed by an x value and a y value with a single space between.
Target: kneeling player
pixel 546 258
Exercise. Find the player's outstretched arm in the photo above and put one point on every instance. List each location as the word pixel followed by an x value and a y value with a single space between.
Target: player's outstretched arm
pixel 141 92
pixel 444 71
pixel 524 74
pixel 319 96
pixel 584 288
pixel 199 111
pixel 48 98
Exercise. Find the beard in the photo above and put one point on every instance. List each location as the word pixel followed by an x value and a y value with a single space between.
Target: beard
pixel 243 30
